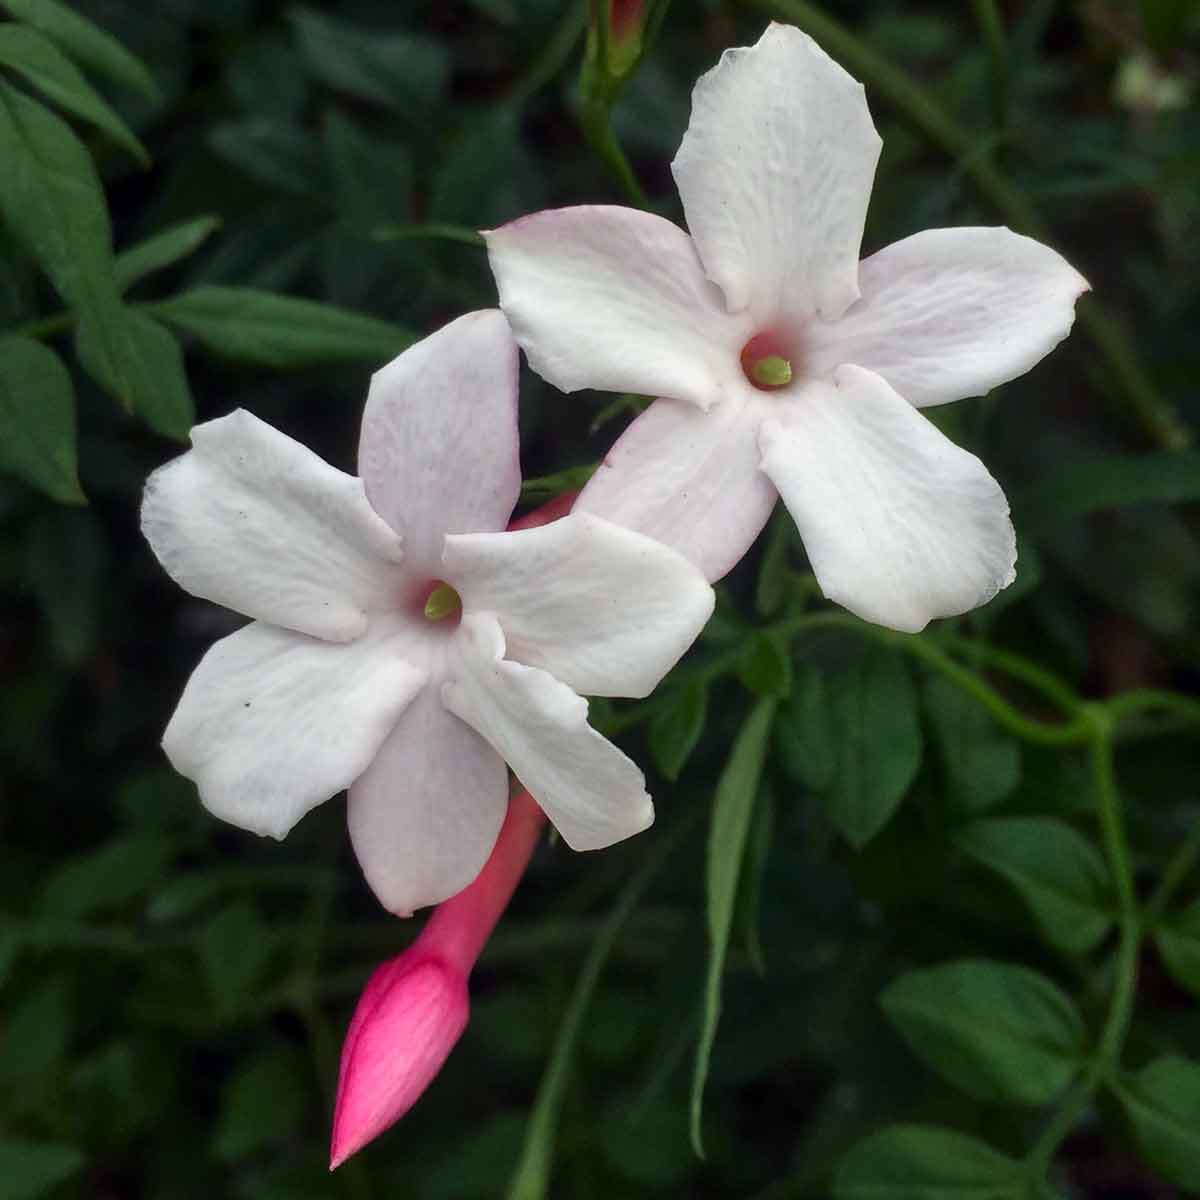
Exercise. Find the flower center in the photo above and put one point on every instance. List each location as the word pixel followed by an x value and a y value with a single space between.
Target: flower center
pixel 443 602
pixel 768 360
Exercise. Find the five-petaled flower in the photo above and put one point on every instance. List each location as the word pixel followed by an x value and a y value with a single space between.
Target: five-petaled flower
pixel 402 646
pixel 785 366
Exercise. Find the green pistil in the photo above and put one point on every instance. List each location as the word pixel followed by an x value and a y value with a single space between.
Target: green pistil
pixel 772 371
pixel 443 602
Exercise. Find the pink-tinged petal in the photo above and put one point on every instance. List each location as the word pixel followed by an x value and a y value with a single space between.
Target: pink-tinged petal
pixel 615 299
pixel 592 792
pixel 425 814
pixel 438 450
pixel 950 313
pixel 688 479
pixel 272 723
pixel 408 1020
pixel 253 520
pixel 900 524
pixel 775 174
pixel 606 611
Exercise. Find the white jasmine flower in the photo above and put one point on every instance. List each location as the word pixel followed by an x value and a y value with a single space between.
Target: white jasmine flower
pixel 787 367
pixel 401 645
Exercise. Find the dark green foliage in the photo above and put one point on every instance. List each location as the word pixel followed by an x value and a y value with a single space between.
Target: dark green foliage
pixel 941 890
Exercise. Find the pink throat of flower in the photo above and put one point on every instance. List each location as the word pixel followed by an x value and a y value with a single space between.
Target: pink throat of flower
pixel 771 359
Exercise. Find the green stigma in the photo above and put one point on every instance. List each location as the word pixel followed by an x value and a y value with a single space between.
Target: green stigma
pixel 443 602
pixel 772 371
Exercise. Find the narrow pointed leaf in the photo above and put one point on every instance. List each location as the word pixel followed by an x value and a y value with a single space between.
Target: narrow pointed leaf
pixel 85 42
pixel 531 1179
pixel 39 60
pixel 997 1031
pixel 52 201
pixel 1059 874
pixel 37 419
pixel 154 373
pixel 268 330
pixel 163 250
pixel 673 734
pixel 733 806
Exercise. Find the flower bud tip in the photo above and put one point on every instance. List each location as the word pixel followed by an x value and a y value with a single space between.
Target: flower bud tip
pixel 409 1017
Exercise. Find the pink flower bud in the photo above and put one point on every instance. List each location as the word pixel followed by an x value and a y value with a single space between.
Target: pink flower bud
pixel 415 1007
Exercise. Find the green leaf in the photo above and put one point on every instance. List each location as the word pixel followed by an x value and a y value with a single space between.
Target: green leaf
pixel 84 41
pixel 983 763
pixel 397 70
pixel 997 1031
pixel 770 590
pixel 117 872
pixel 673 734
pixel 163 250
pixel 52 200
pixel 804 737
pixel 923 1162
pixel 1108 482
pixel 371 177
pixel 1178 941
pixel 154 372
pixel 268 330
pixel 765 667
pixel 274 153
pixel 27 52
pixel 1162 1102
pixel 68 565
pixel 1060 875
pixel 37 419
pixel 733 805
pixel 235 947
pixel 262 1103
pixel 877 743
pixel 754 869
pixel 29 1170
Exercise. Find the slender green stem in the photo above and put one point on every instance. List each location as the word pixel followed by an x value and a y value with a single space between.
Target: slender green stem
pixel 1153 415
pixel 46 326
pixel 1018 667
pixel 553 55
pixel 595 118
pixel 1124 989
pixel 1141 700
pixel 991 26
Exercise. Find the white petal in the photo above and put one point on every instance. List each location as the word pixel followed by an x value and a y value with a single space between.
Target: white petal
pixel 688 479
pixel 900 524
pixel 775 173
pixel 592 793
pixel 425 814
pixel 615 299
pixel 606 611
pixel 273 723
pixel 950 313
pixel 438 451
pixel 253 520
